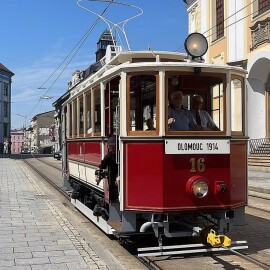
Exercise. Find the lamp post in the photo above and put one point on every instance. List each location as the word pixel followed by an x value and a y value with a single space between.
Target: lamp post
pixel 24 116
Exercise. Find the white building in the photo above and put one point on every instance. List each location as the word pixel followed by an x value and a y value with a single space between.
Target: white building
pixel 238 33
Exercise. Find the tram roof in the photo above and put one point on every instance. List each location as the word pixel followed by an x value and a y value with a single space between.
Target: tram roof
pixel 146 61
pixel 137 59
pixel 162 58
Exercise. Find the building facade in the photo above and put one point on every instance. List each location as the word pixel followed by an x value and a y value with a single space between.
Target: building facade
pixel 5 104
pixel 238 33
pixel 17 141
pixel 39 136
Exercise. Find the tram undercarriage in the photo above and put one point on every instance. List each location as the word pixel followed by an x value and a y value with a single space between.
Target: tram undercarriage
pixel 206 225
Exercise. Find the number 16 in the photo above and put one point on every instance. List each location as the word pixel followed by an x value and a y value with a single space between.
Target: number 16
pixel 197 165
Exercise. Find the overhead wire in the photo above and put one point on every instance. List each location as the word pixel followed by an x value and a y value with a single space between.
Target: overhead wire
pixel 80 43
pixel 182 47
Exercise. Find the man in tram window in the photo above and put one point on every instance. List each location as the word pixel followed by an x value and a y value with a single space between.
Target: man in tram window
pixel 109 163
pixel 150 124
pixel 180 118
pixel 202 118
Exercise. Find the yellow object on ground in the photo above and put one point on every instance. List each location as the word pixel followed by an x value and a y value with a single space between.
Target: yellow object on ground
pixel 218 240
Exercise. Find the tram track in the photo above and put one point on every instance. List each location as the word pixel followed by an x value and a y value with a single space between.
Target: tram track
pixel 250 259
pixel 148 262
pixel 62 191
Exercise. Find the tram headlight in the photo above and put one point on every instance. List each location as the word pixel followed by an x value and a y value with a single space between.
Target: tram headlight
pixel 197 186
pixel 200 188
pixel 196 45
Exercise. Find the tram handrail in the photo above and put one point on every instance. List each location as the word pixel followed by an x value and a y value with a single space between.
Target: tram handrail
pixel 259 146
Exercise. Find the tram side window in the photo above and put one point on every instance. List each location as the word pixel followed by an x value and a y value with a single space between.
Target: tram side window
pixel 237 105
pixel 88 113
pixel 96 117
pixel 81 116
pixel 74 118
pixel 217 105
pixel 70 114
pixel 111 102
pixel 142 102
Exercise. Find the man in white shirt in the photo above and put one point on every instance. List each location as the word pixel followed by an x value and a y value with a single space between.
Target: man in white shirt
pixel 179 118
pixel 201 117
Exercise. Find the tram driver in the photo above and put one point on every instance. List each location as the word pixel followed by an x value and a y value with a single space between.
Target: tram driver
pixel 180 118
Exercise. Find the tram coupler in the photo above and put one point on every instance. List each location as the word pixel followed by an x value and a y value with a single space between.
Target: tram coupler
pixel 219 240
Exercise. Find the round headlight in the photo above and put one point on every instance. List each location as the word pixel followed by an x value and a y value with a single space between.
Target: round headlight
pixel 196 45
pixel 200 188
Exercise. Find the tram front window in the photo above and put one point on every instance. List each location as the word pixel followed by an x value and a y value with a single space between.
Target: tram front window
pixel 142 102
pixel 195 103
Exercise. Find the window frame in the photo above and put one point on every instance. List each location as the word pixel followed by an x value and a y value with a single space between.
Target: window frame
pixel 86 95
pixel 93 92
pixel 219 21
pixel 79 99
pixel 5 109
pixel 262 9
pixel 223 77
pixel 142 132
pixel 239 133
pixel 5 92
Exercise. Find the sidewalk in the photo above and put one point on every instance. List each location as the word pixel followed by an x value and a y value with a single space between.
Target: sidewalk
pixel 34 232
pixel 259 181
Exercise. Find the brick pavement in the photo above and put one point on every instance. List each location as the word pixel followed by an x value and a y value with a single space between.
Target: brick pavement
pixel 34 233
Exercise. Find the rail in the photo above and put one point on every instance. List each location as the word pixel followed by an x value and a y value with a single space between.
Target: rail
pixel 259 147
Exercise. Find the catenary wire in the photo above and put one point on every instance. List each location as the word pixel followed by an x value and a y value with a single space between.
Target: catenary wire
pixel 182 47
pixel 82 40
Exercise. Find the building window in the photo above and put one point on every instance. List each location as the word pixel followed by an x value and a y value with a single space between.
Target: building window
pixel 5 130
pixel 264 5
pixel 5 109
pixel 5 89
pixel 219 18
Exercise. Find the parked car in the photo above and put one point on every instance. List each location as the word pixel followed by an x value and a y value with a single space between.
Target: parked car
pixel 25 151
pixel 57 155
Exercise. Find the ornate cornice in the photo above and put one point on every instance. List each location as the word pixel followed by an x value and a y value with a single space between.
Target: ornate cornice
pixel 260 33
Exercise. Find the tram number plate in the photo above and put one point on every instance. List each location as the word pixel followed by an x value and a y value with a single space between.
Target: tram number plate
pixel 197 147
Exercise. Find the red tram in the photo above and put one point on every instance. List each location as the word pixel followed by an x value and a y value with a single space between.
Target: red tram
pixel 173 183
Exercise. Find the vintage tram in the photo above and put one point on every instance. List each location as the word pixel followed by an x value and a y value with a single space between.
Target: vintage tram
pixel 172 183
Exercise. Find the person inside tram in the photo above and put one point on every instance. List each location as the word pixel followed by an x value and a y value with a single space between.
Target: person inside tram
pixel 202 118
pixel 109 163
pixel 180 118
pixel 150 124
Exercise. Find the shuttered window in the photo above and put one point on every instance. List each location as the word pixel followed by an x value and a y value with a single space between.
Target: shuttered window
pixel 220 18
pixel 264 5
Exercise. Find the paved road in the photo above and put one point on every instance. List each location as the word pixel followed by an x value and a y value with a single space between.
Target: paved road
pixel 40 229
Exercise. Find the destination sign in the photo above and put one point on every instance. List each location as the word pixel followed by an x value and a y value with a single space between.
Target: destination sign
pixel 197 146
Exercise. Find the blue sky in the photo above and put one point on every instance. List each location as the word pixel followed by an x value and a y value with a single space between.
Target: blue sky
pixel 37 35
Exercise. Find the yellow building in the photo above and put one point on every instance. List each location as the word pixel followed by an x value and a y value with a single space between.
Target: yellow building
pixel 238 33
